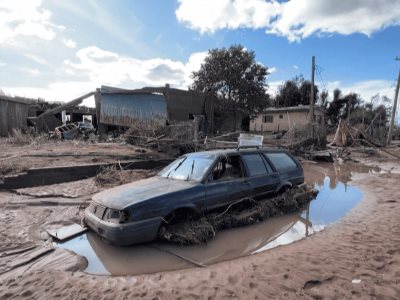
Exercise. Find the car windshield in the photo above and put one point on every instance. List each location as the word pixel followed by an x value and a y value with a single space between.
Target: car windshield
pixel 188 167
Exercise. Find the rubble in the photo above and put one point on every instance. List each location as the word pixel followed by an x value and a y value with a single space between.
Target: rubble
pixel 110 176
pixel 72 131
pixel 67 132
pixel 245 212
pixel 174 139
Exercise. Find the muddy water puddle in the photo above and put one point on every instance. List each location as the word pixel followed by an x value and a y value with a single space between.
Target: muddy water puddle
pixel 336 198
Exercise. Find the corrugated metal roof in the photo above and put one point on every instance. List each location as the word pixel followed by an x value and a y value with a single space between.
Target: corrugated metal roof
pixel 127 109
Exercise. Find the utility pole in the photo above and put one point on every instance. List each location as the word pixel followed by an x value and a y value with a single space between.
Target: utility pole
pixel 348 111
pixel 312 117
pixel 396 95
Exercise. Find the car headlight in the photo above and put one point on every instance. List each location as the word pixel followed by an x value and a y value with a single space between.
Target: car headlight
pixel 117 216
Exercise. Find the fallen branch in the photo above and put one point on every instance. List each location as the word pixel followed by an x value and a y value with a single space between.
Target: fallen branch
pixel 378 148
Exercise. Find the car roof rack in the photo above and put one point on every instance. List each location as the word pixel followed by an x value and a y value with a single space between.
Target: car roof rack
pixel 249 147
pixel 250 141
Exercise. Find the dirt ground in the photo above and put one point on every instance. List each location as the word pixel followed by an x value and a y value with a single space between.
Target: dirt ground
pixel 15 158
pixel 359 257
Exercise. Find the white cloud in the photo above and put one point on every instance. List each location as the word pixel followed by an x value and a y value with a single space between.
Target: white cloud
pixel 211 15
pixel 366 89
pixel 31 71
pixel 295 19
pixel 57 91
pixel 296 67
pixel 69 43
pixel 100 67
pixel 36 59
pixel 105 67
pixel 25 18
pixel 272 70
pixel 194 64
pixel 273 86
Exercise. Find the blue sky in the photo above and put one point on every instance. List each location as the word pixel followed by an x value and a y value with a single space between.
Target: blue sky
pixel 59 50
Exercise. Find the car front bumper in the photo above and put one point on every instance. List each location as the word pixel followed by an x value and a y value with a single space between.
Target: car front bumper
pixel 126 233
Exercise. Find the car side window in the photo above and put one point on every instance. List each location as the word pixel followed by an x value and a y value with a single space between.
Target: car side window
pixel 227 168
pixel 281 161
pixel 255 164
pixel 268 166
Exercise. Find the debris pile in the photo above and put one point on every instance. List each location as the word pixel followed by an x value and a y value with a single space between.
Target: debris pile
pixel 84 130
pixel 175 139
pixel 244 212
pixel 349 136
pixel 111 176
pixel 67 132
pixel 305 138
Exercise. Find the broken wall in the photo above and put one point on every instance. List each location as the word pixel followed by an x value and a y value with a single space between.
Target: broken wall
pixel 181 104
pixel 13 115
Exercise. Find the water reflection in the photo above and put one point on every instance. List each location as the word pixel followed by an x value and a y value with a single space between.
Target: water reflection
pixel 336 197
pixel 337 173
pixel 104 258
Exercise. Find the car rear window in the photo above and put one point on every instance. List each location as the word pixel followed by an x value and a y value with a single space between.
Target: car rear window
pixel 281 161
pixel 255 164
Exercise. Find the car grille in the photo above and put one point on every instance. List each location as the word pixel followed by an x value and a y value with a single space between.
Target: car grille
pixel 97 210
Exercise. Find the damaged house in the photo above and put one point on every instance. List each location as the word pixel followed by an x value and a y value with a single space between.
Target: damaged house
pixel 120 108
pixel 116 109
pixel 57 115
pixel 283 118
pixel 21 113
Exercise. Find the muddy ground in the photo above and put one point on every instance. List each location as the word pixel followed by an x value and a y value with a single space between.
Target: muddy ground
pixel 357 258
pixel 17 157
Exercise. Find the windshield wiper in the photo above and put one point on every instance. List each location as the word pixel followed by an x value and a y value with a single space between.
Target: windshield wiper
pixel 191 172
pixel 180 164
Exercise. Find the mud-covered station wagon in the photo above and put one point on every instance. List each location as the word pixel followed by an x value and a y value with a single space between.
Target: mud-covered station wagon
pixel 194 184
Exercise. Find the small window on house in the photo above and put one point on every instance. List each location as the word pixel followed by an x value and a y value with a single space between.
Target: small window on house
pixel 268 119
pixel 280 116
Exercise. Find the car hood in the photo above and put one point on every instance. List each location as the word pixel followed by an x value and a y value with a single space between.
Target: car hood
pixel 138 191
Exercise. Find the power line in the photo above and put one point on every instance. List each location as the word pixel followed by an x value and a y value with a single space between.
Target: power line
pixel 319 71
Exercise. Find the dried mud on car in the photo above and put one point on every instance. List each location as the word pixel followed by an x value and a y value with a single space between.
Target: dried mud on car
pixel 245 212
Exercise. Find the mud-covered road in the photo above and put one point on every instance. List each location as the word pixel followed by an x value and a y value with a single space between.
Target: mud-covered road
pixel 359 257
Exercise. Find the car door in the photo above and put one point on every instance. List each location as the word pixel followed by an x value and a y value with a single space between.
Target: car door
pixel 226 182
pixel 262 180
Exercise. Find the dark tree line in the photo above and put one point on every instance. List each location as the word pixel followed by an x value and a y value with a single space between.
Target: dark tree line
pixel 295 92
pixel 239 82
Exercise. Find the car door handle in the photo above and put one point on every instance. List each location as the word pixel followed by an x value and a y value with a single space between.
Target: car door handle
pixel 246 182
